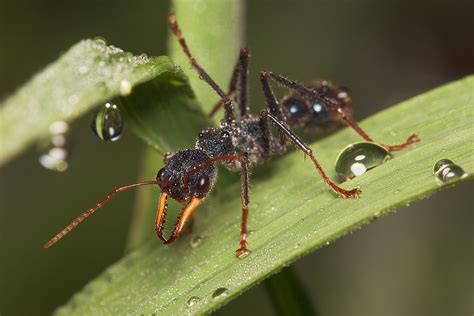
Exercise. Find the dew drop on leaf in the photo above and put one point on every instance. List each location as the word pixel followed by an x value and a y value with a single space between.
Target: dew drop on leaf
pixel 220 292
pixel 125 88
pixel 356 159
pixel 107 123
pixel 192 301
pixel 446 171
pixel 195 241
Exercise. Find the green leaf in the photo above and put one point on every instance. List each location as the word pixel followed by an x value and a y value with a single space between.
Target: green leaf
pixel 161 106
pixel 292 213
pixel 88 74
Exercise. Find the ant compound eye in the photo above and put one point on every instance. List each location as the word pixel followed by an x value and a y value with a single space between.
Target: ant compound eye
pixel 296 108
pixel 160 174
pixel 203 183
pixel 319 111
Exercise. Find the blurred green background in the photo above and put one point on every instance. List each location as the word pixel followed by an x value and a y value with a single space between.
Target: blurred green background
pixel 416 262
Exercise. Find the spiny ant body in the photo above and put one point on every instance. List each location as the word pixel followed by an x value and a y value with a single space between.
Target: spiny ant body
pixel 242 141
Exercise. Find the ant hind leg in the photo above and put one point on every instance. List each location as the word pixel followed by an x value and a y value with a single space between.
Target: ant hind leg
pixel 331 103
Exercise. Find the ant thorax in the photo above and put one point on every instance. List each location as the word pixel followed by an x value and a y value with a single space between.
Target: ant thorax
pixel 244 135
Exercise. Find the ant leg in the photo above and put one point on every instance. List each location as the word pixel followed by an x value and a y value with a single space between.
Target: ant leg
pixel 353 193
pixel 244 194
pixel 240 72
pixel 309 92
pixel 203 75
pixel 412 138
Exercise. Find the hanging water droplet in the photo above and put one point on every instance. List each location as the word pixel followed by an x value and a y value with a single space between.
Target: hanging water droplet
pixel 220 292
pixel 195 241
pixel 54 150
pixel 446 170
pixel 58 127
pixel 192 301
pixel 125 88
pixel 107 122
pixel 54 159
pixel 356 159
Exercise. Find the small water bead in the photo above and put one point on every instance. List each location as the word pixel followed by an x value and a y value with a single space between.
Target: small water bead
pixel 220 292
pixel 56 153
pixel 195 241
pixel 125 88
pixel 58 127
pixel 54 159
pixel 107 122
pixel 356 159
pixel 440 164
pixel 446 170
pixel 193 300
pixel 100 40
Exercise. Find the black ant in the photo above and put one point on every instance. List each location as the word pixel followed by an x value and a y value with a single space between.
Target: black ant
pixel 242 141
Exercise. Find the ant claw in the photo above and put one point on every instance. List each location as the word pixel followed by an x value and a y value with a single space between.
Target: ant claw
pixel 242 252
pixel 413 138
pixel 350 194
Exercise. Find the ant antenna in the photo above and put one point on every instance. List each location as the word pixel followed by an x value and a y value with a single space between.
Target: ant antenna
pixel 91 211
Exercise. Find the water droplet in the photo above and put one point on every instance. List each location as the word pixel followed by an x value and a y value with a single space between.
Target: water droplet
pixel 192 301
pixel 273 209
pixel 446 170
pixel 107 122
pixel 100 40
pixel 397 191
pixel 195 241
pixel 440 164
pixel 244 254
pixel 296 246
pixel 58 127
pixel 125 88
pixel 220 292
pixel 52 161
pixel 55 153
pixel 356 159
pixel 250 232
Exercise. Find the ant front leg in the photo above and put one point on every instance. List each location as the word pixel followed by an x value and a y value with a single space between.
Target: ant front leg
pixel 333 104
pixel 285 130
pixel 244 193
pixel 203 75
pixel 239 82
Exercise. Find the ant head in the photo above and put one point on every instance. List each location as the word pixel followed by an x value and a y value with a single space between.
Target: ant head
pixel 187 174
pixel 303 112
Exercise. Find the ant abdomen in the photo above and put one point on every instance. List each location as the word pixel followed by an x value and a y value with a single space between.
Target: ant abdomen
pixel 302 112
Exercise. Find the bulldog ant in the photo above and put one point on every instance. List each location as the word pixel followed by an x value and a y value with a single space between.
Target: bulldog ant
pixel 241 141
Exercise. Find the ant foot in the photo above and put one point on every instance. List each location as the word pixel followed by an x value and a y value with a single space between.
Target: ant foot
pixel 413 138
pixel 349 194
pixel 243 251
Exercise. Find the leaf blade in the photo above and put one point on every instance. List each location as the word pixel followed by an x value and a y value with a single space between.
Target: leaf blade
pixel 88 74
pixel 161 279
